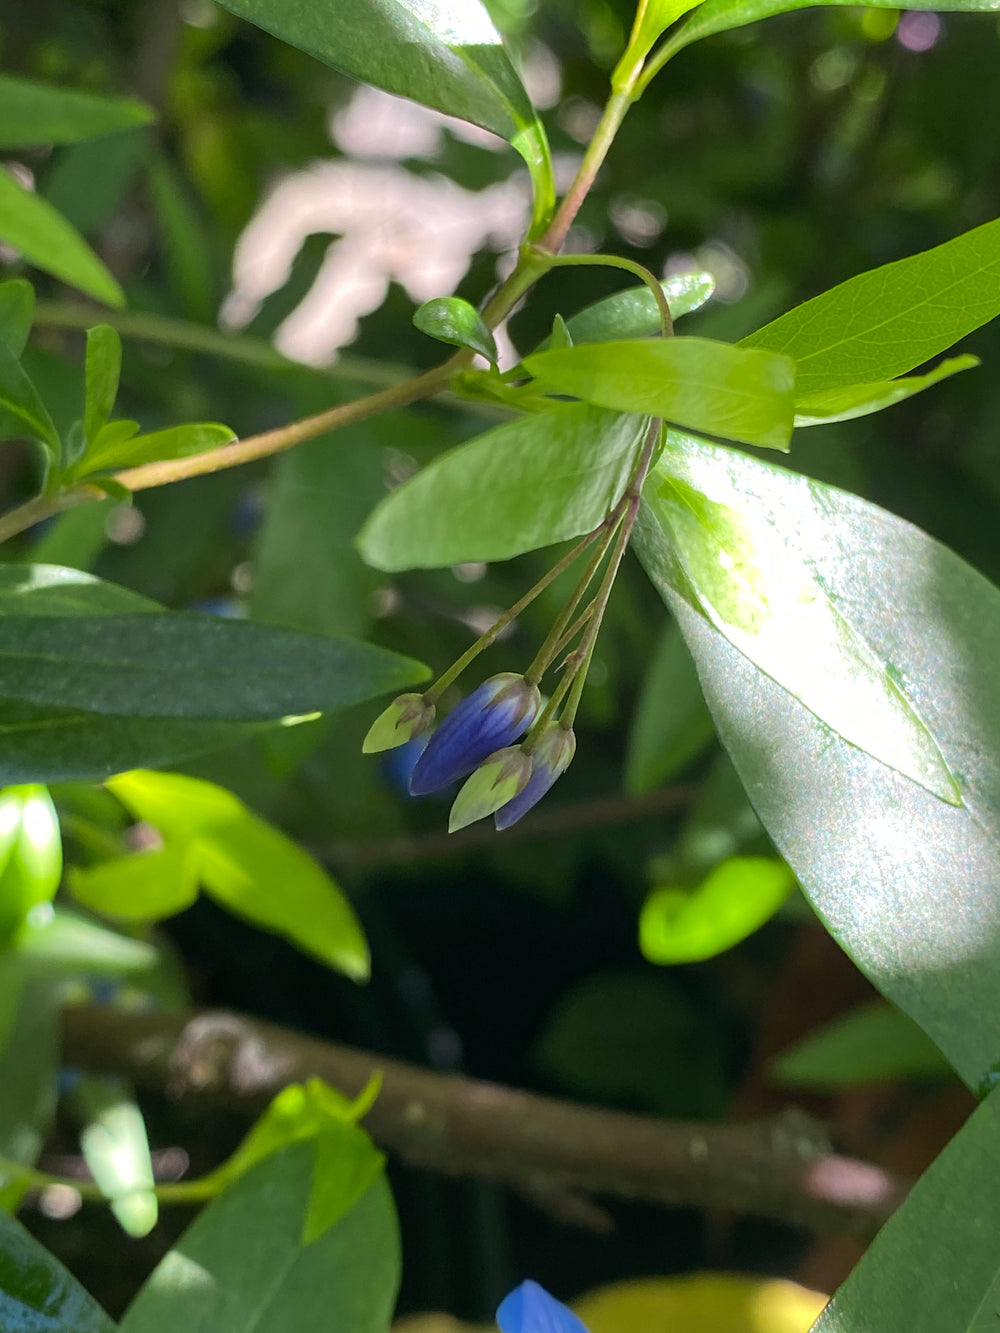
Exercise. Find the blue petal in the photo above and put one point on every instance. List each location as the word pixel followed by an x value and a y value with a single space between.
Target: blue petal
pixel 492 718
pixel 530 1309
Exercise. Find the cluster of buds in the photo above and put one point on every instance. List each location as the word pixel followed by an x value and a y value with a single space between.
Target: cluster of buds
pixel 501 739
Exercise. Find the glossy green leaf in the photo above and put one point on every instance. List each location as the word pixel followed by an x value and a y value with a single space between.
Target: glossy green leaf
pixel 17 308
pixel 671 724
pixel 30 854
pixel 243 1267
pixel 186 665
pixel 116 1149
pixel 103 370
pixel 934 1266
pixel 114 448
pixel 33 115
pixel 239 858
pixel 530 483
pixel 23 415
pixel 873 1043
pixel 448 56
pixel 905 882
pixel 891 319
pixel 735 899
pixel 693 382
pixel 860 400
pixel 38 1295
pixel 634 313
pixel 452 320
pixel 743 571
pixel 47 241
pixel 144 886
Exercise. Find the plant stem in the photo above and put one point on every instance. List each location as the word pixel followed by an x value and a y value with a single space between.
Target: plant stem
pixel 630 266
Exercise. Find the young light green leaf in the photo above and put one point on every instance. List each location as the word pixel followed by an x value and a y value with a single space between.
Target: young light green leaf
pixel 671 724
pixel 655 17
pixel 103 370
pixel 560 335
pixel 452 320
pixel 905 882
pixel 692 382
pixel 722 15
pixel 186 665
pixel 530 483
pixel 47 240
pixel 735 899
pixel 885 322
pixel 37 1293
pixel 33 115
pixel 634 313
pixel 448 56
pixel 30 854
pixel 946 1226
pixel 118 446
pixel 22 412
pixel 144 886
pixel 17 308
pixel 68 945
pixel 239 858
pixel 116 1150
pixel 346 1279
pixel 860 400
pixel 870 1044
pixel 744 574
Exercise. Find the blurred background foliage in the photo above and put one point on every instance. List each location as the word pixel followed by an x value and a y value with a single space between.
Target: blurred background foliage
pixel 280 201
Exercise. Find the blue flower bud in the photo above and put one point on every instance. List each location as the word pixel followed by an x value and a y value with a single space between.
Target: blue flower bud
pixel 550 758
pixel 493 717
pixel 530 1309
pixel 406 717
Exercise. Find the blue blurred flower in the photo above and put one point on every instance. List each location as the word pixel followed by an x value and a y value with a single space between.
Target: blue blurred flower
pixel 550 758
pixel 530 1309
pixel 493 717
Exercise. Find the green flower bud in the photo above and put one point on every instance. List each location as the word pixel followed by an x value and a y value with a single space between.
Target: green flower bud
pixel 405 718
pixel 497 781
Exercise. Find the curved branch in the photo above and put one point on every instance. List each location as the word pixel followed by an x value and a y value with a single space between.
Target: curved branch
pixel 780 1167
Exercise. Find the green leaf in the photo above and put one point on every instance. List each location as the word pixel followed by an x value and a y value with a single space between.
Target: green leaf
pixel 17 308
pixel 447 56
pixel 38 1295
pixel 30 854
pixel 68 945
pixel 103 370
pixel 116 1150
pixel 29 1064
pixel 530 483
pixel 744 571
pixel 54 590
pixel 891 319
pixel 239 858
pixel 671 724
pixel 873 1043
pixel 186 243
pixel 33 115
pixel 144 886
pixel 22 412
pixel 656 17
pixel 860 400
pixel 934 1265
pixel 48 241
pixel 114 448
pixel 735 899
pixel 905 882
pixel 634 313
pixel 692 382
pixel 186 665
pixel 244 1268
pixel 452 320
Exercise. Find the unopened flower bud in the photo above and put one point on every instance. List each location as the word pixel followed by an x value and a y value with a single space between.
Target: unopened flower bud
pixel 492 785
pixel 550 757
pixel 493 716
pixel 405 718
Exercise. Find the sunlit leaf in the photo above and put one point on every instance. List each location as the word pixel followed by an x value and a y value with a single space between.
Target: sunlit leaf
pixel 536 481
pixel 452 320
pixel 30 854
pixel 144 886
pixel 116 1150
pixel 47 241
pixel 692 382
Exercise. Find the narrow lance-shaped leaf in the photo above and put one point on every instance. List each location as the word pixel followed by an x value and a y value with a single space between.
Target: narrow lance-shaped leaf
pixel 885 322
pixel 22 412
pixel 118 446
pixel 860 400
pixel 691 382
pixel 36 1292
pixel 634 313
pixel 48 241
pixel 744 574
pixel 33 115
pixel 721 15
pixel 447 55
pixel 530 483
pixel 671 724
pixel 906 882
pixel 17 307
pixel 103 369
